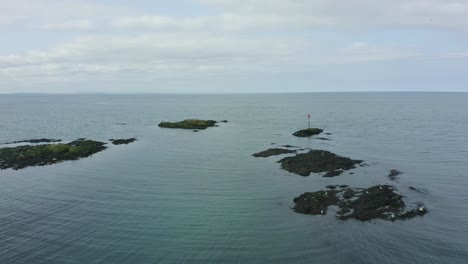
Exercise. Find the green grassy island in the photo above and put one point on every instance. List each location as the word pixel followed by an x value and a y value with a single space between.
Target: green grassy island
pixel 46 154
pixel 189 124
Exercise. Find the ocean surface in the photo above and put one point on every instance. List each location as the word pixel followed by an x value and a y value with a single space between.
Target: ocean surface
pixel 176 196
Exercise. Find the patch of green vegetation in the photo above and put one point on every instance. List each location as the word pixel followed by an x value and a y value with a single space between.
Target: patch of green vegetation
pixel 40 155
pixel 189 124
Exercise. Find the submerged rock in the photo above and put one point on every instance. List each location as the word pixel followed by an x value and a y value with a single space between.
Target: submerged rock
pixel 333 173
pixel 189 124
pixel 289 146
pixel 38 140
pixel 46 154
pixel 308 132
pixel 122 141
pixel 273 152
pixel 316 161
pixel 377 202
pixel 393 175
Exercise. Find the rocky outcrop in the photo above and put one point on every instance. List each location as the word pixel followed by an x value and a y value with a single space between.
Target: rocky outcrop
pixel 364 204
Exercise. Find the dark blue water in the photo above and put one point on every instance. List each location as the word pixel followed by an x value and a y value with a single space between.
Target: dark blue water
pixel 176 196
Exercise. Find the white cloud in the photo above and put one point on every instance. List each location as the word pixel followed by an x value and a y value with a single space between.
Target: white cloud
pixel 24 10
pixel 357 14
pixel 79 25
pixel 186 54
pixel 243 37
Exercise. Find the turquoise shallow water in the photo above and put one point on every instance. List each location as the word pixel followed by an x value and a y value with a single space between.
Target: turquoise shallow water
pixel 176 196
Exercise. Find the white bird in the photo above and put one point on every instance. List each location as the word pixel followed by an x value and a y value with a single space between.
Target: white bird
pixel 392 215
pixel 321 211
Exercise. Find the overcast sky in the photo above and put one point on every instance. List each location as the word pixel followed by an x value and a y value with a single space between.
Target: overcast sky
pixel 229 46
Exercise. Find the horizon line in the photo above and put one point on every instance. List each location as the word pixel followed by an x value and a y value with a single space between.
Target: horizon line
pixel 214 93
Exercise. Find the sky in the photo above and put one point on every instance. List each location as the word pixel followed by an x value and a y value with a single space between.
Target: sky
pixel 232 46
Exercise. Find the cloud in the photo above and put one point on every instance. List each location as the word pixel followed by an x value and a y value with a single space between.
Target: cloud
pixel 32 10
pixel 174 55
pixel 79 25
pixel 357 14
pixel 232 37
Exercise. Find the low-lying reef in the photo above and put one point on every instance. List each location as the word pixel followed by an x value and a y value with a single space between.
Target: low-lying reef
pixel 273 152
pixel 364 204
pixel 316 161
pixel 36 140
pixel 122 141
pixel 189 124
pixel 46 154
pixel 308 132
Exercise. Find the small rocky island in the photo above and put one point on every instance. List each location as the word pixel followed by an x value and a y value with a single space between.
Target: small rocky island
pixel 308 132
pixel 364 204
pixel 189 124
pixel 46 154
pixel 122 141
pixel 316 161
pixel 273 152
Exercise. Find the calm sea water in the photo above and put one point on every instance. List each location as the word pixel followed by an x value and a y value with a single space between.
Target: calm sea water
pixel 176 196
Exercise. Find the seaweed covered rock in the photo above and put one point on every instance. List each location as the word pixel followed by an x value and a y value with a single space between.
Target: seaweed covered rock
pixel 122 141
pixel 273 152
pixel 189 124
pixel 316 161
pixel 364 204
pixel 308 132
pixel 46 154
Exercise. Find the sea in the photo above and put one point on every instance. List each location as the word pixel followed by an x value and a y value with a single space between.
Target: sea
pixel 178 196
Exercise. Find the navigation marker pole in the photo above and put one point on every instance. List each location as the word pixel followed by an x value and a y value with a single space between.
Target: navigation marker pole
pixel 309 119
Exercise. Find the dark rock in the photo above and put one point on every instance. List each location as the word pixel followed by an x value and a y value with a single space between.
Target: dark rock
pixel 224 121
pixel 195 130
pixel 343 186
pixel 308 132
pixel 122 141
pixel 39 155
pixel 377 202
pixel 333 173
pixel 38 140
pixel 348 194
pixel 289 146
pixel 316 161
pixel 393 175
pixel 331 187
pixel 273 152
pixel 328 134
pixel 315 203
pixel 322 138
pixel 189 124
